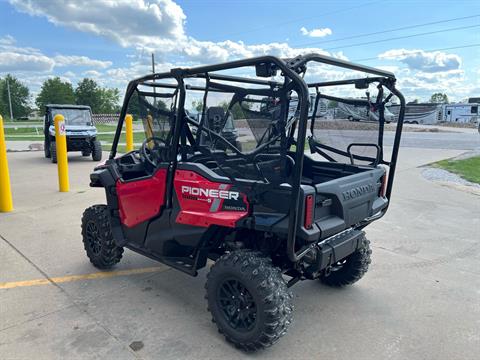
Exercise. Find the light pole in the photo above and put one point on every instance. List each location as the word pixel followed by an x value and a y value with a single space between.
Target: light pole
pixel 154 88
pixel 9 99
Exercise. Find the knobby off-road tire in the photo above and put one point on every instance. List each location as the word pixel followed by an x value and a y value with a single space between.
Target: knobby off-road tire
pixel 53 152
pixel 249 300
pixel 96 151
pixel 98 239
pixel 46 149
pixel 352 269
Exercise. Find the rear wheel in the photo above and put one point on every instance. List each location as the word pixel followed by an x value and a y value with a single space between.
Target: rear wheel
pixel 249 300
pixel 86 152
pixel 98 239
pixel 351 269
pixel 53 152
pixel 96 150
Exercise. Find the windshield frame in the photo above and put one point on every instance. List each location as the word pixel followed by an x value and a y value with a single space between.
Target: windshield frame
pixel 67 112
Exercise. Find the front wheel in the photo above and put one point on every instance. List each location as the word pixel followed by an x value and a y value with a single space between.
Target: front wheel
pixel 351 269
pixel 46 149
pixel 96 150
pixel 249 300
pixel 98 239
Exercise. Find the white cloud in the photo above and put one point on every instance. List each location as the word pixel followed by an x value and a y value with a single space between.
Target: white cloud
pixel 155 26
pixel 322 32
pixel 210 52
pixel 7 40
pixel 73 60
pixel 20 59
pixel 92 73
pixel 159 26
pixel 434 61
pixel 14 58
pixel 128 22
pixel 11 61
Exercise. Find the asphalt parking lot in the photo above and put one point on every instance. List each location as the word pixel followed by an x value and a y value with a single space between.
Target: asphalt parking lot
pixel 420 299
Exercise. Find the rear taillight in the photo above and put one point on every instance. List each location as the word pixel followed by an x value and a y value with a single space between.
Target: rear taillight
pixel 308 212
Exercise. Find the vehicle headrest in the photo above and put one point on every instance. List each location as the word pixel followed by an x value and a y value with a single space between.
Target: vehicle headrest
pixel 215 117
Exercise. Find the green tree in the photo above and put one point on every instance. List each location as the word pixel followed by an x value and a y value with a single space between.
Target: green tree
pixel 109 101
pixel 101 100
pixel 236 109
pixel 197 105
pixel 332 104
pixel 134 106
pixel 439 98
pixel 19 94
pixel 139 110
pixel 87 93
pixel 55 91
pixel 3 105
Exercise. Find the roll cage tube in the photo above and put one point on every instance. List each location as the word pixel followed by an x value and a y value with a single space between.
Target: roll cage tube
pixel 302 60
pixel 291 70
pixel 303 95
pixel 131 87
pixel 396 142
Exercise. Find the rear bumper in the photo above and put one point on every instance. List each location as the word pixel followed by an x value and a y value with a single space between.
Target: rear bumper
pixel 325 253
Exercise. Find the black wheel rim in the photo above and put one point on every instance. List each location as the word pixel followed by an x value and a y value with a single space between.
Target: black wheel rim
pixel 93 238
pixel 237 305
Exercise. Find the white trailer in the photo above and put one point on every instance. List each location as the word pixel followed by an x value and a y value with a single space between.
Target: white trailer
pixel 362 113
pixel 426 114
pixel 461 113
pixel 322 107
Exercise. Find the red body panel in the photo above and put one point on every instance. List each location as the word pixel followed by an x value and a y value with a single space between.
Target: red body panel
pixel 141 200
pixel 204 205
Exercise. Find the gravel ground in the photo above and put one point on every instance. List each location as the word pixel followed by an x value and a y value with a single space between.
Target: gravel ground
pixel 441 175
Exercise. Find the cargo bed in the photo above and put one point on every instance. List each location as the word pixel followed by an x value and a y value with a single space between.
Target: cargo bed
pixel 344 194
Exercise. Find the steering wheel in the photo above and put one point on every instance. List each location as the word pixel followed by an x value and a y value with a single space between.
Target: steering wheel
pixel 152 155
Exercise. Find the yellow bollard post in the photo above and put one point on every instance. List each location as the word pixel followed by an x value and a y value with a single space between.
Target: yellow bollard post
pixel 129 132
pixel 6 204
pixel 62 160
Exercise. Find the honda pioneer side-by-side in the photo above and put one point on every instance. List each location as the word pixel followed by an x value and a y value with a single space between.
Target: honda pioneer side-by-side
pixel 285 200
pixel 79 128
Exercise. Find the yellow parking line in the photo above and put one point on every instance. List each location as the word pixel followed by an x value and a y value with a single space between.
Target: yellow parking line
pixel 97 275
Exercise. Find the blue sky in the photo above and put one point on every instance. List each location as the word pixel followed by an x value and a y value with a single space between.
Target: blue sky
pixel 112 43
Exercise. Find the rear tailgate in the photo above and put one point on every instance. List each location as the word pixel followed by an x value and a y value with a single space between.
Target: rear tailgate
pixel 346 201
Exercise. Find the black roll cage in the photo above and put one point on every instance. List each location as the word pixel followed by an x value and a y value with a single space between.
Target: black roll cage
pixel 293 71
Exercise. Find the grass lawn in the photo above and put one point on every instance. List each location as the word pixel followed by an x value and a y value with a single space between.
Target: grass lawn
pixel 30 130
pixel 105 128
pixel 32 123
pixel 29 133
pixel 24 131
pixel 469 169
pixel 138 137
